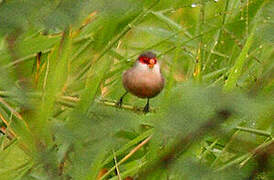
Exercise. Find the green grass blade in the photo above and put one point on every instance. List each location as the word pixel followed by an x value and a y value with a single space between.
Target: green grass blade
pixel 236 70
pixel 56 79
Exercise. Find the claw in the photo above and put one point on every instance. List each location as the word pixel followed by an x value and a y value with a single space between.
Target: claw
pixel 120 102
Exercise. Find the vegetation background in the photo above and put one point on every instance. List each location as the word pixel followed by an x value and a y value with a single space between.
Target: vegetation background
pixel 61 63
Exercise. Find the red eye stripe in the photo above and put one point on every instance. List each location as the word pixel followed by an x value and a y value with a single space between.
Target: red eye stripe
pixel 146 60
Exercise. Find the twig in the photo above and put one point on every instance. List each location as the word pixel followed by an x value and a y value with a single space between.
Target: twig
pixel 70 101
pixel 125 106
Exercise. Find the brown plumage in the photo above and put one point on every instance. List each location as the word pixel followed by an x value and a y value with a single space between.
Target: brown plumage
pixel 143 84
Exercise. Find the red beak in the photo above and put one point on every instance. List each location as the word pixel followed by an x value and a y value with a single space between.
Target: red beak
pixel 152 62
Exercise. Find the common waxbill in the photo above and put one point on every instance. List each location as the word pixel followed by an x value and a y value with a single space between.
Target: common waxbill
pixel 144 79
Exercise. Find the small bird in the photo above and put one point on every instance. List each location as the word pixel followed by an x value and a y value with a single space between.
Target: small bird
pixel 144 79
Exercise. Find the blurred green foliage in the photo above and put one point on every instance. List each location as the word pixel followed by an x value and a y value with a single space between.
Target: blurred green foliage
pixel 61 64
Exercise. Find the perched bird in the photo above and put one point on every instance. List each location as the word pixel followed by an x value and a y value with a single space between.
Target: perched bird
pixel 144 79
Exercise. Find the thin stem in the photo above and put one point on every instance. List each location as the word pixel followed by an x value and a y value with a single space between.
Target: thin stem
pixel 116 166
pixel 225 148
pixel 133 151
pixel 254 131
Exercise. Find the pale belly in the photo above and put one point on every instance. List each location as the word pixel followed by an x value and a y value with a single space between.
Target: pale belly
pixel 143 85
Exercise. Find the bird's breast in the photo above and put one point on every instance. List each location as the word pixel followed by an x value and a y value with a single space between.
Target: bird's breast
pixel 144 84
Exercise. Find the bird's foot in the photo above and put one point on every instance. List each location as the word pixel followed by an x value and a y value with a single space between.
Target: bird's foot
pixel 119 103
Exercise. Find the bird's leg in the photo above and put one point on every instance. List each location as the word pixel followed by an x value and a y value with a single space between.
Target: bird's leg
pixel 146 108
pixel 120 102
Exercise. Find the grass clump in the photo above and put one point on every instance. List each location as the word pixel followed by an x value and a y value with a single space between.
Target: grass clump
pixel 61 68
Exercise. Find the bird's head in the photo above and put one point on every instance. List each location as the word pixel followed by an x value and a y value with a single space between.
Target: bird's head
pixel 148 58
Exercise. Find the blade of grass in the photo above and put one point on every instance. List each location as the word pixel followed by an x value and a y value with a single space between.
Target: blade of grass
pixel 200 53
pixel 170 22
pixel 208 149
pixel 96 166
pixel 128 156
pixel 133 170
pixel 116 166
pixel 214 74
pixel 243 159
pixel 170 79
pixel 124 31
pixel 26 58
pixel 233 162
pixel 225 148
pixel 95 77
pixel 56 79
pixel 20 128
pixel 236 70
pixel 81 49
pixel 182 144
pixel 254 131
pixel 256 150
pixel 128 145
pixel 218 35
